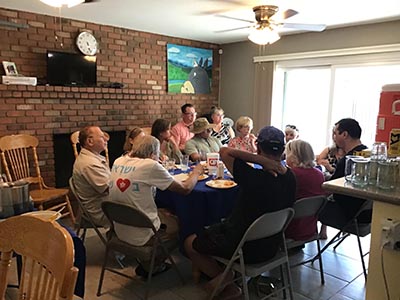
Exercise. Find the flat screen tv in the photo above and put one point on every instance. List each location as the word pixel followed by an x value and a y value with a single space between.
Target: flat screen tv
pixel 70 69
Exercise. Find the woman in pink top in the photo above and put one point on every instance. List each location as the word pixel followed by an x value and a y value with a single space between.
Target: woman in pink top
pixel 244 140
pixel 300 158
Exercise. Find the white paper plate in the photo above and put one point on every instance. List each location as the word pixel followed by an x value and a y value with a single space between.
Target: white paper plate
pixel 221 184
pixel 184 176
pixel 47 215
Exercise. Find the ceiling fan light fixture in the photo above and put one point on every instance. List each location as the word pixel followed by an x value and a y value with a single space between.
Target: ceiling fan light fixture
pixel 263 36
pixel 60 3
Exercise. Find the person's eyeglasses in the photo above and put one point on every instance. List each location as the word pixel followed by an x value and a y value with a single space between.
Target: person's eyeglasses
pixel 190 114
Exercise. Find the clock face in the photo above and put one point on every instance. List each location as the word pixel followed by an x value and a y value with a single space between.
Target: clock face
pixel 87 43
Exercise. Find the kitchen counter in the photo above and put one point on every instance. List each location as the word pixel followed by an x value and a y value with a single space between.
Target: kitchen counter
pixel 386 205
pixel 341 186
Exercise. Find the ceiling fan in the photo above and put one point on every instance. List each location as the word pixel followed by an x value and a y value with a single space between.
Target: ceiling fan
pixel 69 3
pixel 264 28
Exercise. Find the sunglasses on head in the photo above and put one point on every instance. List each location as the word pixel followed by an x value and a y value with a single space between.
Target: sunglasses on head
pixel 292 126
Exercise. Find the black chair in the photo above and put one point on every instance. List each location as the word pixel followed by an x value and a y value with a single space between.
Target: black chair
pixel 130 216
pixel 359 225
pixel 84 219
pixel 308 207
pixel 269 224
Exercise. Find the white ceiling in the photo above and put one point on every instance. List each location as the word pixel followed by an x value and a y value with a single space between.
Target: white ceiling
pixel 197 20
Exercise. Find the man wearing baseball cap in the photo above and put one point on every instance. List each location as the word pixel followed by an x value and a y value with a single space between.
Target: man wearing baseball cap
pixel 202 142
pixel 260 191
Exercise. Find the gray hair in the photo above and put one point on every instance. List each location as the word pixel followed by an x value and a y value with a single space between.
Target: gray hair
pixel 145 147
pixel 301 152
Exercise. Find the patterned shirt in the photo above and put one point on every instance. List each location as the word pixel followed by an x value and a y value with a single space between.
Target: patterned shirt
pixel 223 135
pixel 242 143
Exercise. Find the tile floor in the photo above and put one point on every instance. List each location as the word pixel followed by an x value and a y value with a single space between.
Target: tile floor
pixel 343 276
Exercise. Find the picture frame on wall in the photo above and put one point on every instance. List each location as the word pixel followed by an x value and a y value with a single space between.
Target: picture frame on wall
pixel 10 68
pixel 189 69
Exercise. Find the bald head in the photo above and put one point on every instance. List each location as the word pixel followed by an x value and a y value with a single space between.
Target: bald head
pixel 93 139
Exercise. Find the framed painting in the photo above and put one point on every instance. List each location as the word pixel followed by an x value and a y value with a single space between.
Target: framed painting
pixel 189 69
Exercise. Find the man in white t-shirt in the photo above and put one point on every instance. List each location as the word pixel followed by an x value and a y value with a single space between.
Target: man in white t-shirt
pixel 134 180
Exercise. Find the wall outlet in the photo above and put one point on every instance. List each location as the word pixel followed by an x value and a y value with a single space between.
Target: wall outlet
pixel 391 234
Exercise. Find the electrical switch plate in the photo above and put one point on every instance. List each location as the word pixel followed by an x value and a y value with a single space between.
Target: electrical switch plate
pixel 390 238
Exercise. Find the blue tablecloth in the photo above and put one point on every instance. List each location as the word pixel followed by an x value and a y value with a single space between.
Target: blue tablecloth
pixel 203 206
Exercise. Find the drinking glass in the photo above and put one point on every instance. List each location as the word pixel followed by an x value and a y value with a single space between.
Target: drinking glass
pixel 171 166
pixel 185 163
pixel 360 171
pixel 379 151
pixel 387 174
pixel 348 167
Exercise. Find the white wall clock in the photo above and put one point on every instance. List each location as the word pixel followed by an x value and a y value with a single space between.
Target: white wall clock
pixel 87 43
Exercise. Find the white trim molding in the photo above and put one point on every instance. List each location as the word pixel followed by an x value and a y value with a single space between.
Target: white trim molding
pixel 329 53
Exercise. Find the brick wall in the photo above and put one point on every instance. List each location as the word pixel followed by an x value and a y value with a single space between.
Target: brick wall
pixel 137 59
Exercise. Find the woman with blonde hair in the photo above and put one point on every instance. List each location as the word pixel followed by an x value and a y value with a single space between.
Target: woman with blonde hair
pixel 224 133
pixel 245 140
pixel 300 159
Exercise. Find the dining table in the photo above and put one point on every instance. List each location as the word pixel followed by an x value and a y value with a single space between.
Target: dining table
pixel 204 206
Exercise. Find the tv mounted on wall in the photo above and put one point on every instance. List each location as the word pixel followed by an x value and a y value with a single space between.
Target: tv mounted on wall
pixel 70 69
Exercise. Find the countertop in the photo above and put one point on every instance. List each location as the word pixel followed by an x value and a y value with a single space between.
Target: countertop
pixel 341 186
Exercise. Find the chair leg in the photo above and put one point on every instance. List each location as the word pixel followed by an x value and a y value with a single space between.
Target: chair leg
pixel 103 269
pixel 152 262
pixel 244 282
pixel 342 238
pixel 71 212
pixel 333 240
pixel 172 261
pixel 321 270
pixel 289 280
pixel 224 273
pixel 361 254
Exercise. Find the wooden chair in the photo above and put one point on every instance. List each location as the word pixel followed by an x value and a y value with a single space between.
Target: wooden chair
pixel 47 252
pixel 20 161
pixel 75 142
pixel 147 130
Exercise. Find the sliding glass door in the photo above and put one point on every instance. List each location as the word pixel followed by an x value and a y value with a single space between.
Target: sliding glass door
pixel 314 98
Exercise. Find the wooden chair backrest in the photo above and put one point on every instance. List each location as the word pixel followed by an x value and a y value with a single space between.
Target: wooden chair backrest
pixel 147 130
pixel 75 141
pixel 47 252
pixel 19 158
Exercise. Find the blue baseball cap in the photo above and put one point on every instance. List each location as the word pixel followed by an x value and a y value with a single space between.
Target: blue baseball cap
pixel 271 137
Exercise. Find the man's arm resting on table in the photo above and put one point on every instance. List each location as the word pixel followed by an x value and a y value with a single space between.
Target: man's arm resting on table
pixel 185 187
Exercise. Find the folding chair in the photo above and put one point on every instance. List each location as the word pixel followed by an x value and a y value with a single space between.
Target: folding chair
pixel 359 225
pixel 128 215
pixel 304 208
pixel 47 252
pixel 20 161
pixel 85 220
pixel 269 224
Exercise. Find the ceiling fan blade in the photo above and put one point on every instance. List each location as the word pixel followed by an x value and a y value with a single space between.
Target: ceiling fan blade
pixel 90 1
pixel 308 27
pixel 232 18
pixel 286 14
pixel 232 29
